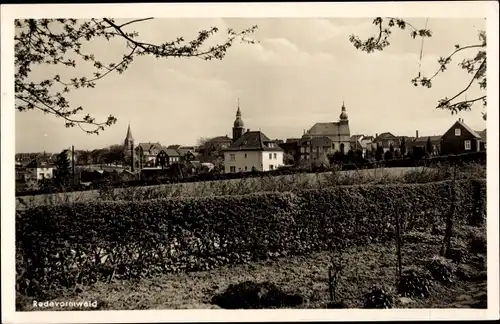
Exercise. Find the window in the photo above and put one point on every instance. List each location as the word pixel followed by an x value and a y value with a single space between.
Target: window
pixel 467 145
pixel 270 156
pixel 245 155
pixel 457 132
pixel 275 156
pixel 302 149
pixel 271 167
pixel 320 149
pixel 307 149
pixel 232 169
pixel 232 157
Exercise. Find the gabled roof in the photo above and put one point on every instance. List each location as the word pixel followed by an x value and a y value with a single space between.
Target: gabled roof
pixel 320 141
pixel 253 141
pixel 386 135
pixel 292 140
pixel 356 137
pixel 39 163
pixel 473 133
pixel 174 146
pixel 146 147
pixel 221 139
pixel 424 139
pixel 332 129
pixel 171 152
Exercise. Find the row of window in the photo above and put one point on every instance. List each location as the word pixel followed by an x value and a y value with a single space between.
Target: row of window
pixel 233 168
pixel 232 157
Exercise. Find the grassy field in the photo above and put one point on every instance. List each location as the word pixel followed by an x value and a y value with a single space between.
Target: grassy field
pixel 307 276
pixel 251 185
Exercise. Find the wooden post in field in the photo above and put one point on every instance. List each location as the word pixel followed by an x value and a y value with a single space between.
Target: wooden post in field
pixel 398 243
pixel 449 220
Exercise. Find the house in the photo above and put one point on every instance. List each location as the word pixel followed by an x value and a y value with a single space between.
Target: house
pixel 213 146
pixel 422 142
pixel 460 138
pixel 173 156
pixel 315 148
pixel 39 169
pixel 147 153
pixel 483 139
pixel 252 151
pixel 385 140
pixel 187 153
pixel 359 143
pixel 337 132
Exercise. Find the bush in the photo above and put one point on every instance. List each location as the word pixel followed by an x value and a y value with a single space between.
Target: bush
pixel 379 297
pixel 478 244
pixel 85 242
pixel 413 284
pixel 441 270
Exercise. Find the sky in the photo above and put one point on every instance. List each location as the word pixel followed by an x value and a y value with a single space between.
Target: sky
pixel 299 73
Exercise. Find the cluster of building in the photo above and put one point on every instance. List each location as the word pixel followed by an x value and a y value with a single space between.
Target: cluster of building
pixel 249 150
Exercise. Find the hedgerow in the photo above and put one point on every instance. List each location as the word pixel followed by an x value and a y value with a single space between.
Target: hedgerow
pixel 81 243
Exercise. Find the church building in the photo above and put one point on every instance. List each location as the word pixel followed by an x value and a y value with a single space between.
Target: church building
pixel 337 133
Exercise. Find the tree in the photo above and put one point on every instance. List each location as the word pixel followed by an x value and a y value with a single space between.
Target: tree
pixel 402 146
pixel 288 159
pixel 397 154
pixel 61 42
pixel 210 146
pixel 429 146
pixel 388 155
pixel 391 148
pixel 379 153
pixel 351 156
pixel 62 168
pixel 475 65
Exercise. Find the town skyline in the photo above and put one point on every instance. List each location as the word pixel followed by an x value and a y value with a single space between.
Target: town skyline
pixel 285 83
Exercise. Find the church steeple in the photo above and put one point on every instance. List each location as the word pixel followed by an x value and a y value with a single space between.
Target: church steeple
pixel 129 140
pixel 238 125
pixel 343 115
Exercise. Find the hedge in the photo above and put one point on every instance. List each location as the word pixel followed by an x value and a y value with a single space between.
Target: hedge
pixel 479 157
pixel 60 246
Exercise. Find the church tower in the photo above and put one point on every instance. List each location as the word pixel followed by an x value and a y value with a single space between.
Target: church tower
pixel 343 115
pixel 238 127
pixel 129 140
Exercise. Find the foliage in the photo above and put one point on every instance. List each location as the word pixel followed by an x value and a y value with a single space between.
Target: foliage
pixel 379 297
pixel 428 146
pixel 255 295
pixel 85 242
pixel 402 146
pixel 288 159
pixel 61 42
pixel 474 65
pixel 379 153
pixel 414 284
pixel 440 270
pixel 63 168
pixel 388 155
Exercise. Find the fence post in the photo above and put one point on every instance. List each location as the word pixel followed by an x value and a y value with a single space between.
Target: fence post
pixel 398 243
pixel 449 220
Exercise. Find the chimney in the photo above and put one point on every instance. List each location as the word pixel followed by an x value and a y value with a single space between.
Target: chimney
pixel 248 129
pixel 376 135
pixel 416 134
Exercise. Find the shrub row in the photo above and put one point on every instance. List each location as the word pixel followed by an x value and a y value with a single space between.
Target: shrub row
pixel 479 157
pixel 63 245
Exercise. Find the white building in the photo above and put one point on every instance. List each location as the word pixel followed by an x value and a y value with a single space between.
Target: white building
pixel 252 151
pixel 39 169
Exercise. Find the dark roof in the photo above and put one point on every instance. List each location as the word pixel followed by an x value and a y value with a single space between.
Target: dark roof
pixel 39 163
pixel 320 141
pixel 292 140
pixel 424 139
pixel 172 152
pixel 146 147
pixel 356 137
pixel 385 135
pixel 368 138
pixel 220 139
pixel 174 146
pixel 253 141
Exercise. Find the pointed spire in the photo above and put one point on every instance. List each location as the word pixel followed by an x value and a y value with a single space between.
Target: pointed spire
pixel 238 112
